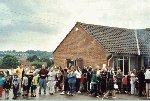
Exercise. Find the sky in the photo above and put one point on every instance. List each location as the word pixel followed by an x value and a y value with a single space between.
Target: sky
pixel 43 24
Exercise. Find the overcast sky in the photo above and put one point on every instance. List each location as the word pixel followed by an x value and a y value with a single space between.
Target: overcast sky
pixel 43 24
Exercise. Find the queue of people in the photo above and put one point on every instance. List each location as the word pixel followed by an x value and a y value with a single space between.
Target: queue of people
pixel 95 81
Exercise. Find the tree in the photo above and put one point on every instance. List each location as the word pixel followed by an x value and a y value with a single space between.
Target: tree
pixel 10 61
pixel 32 58
pixel 49 62
pixel 37 64
pixel 0 63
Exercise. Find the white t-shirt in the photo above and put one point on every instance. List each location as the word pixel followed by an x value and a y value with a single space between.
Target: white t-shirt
pixel 78 74
pixel 51 75
pixel 147 74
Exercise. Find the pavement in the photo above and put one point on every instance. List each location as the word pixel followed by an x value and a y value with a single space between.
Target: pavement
pixel 82 96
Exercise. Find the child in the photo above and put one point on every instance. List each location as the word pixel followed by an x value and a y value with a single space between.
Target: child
pixel 25 85
pixel 7 86
pixel 2 80
pixel 15 83
pixel 115 84
pixel 34 84
pixel 124 84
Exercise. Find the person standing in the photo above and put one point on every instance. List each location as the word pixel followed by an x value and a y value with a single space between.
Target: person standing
pixel 34 84
pixel 15 83
pixel 65 79
pixel 119 80
pixel 20 73
pixel 104 80
pixel 147 79
pixel 25 85
pixel 78 79
pixel 42 80
pixel 110 84
pixel 2 81
pixel 128 82
pixel 51 81
pixel 124 84
pixel 141 79
pixel 99 78
pixel 93 84
pixel 72 81
pixel 7 86
pixel 88 78
pixel 132 82
pixel 59 79
pixel 30 77
pixel 84 78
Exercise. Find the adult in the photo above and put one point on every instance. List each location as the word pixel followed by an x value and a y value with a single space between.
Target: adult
pixel 51 81
pixel 20 73
pixel 141 79
pixel 110 84
pixel 132 82
pixel 30 74
pixel 89 76
pixel 147 79
pixel 128 82
pixel 78 79
pixel 84 78
pixel 93 84
pixel 59 79
pixel 99 77
pixel 104 79
pixel 65 80
pixel 72 81
pixel 42 79
pixel 119 80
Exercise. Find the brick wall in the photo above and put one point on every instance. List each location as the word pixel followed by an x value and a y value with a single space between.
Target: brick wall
pixel 79 44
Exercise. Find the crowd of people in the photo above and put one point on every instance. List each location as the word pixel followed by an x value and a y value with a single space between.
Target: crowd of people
pixel 96 81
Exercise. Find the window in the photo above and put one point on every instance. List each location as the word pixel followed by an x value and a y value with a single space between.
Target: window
pixel 147 62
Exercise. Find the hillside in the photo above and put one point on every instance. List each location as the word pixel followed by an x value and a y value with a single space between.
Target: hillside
pixel 21 54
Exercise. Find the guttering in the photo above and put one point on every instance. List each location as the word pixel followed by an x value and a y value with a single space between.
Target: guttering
pixel 110 59
pixel 138 48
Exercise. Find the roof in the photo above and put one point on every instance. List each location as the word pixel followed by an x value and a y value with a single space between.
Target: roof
pixel 144 40
pixel 120 40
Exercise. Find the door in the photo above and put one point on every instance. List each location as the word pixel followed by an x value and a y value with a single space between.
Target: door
pixel 122 63
pixel 79 62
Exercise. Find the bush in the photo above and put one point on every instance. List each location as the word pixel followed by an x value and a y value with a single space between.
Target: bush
pixel 37 64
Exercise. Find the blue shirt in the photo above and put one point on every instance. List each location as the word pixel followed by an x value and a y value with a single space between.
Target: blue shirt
pixel 2 81
pixel 71 77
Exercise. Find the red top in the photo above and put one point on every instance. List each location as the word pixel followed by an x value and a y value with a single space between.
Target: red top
pixel 124 80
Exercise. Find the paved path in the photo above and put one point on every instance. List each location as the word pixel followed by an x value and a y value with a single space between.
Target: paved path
pixel 82 96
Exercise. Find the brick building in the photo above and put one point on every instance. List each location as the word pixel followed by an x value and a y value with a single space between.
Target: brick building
pixel 91 45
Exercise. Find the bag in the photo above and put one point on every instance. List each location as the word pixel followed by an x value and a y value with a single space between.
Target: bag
pixel 115 86
pixel 48 84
